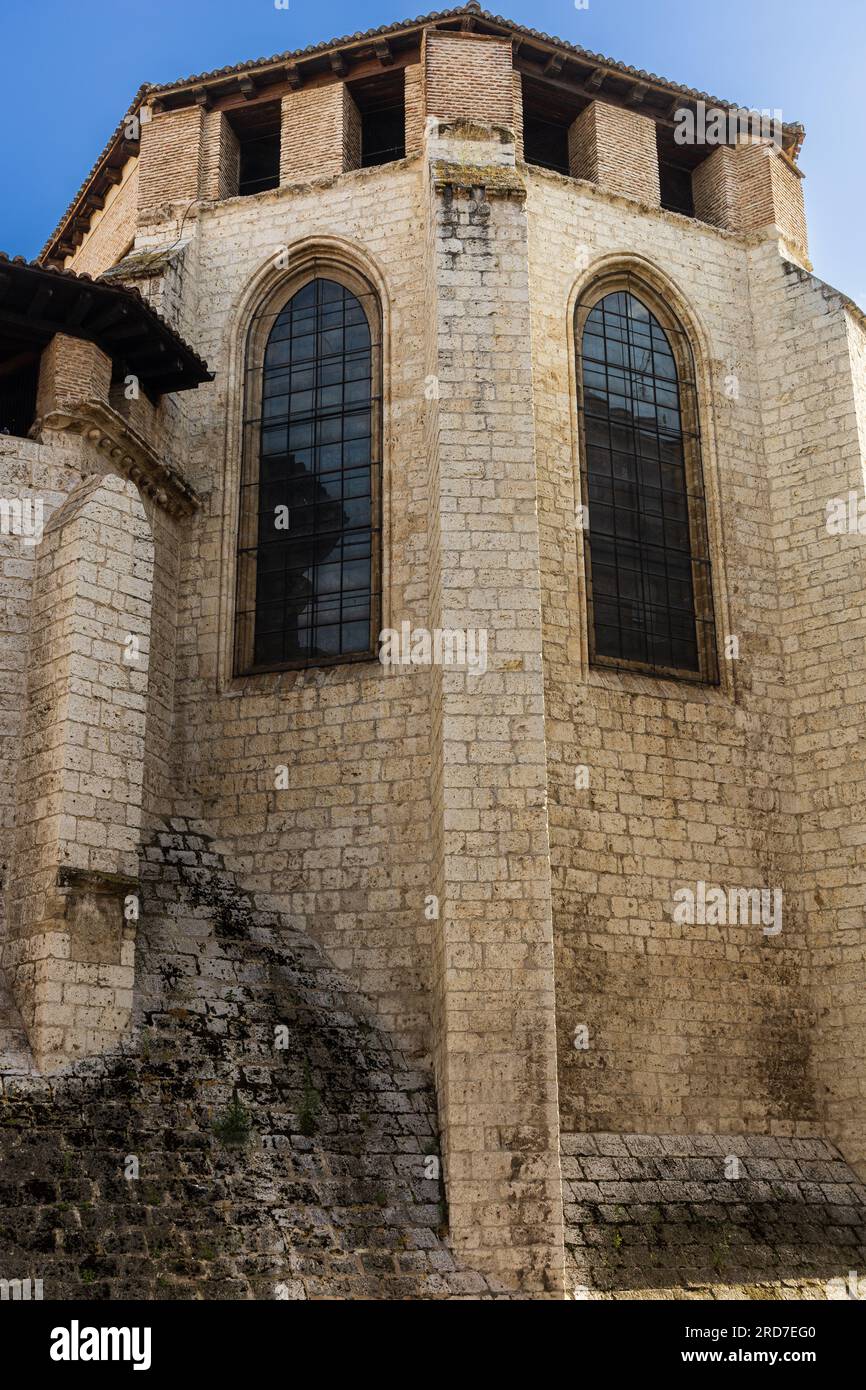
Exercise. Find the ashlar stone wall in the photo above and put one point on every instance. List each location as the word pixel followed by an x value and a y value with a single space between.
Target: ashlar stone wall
pixel 345 846
pixel 689 1026
pixel 812 369
pixel 79 796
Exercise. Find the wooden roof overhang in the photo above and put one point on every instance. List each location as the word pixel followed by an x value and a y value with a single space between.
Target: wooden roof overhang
pixel 36 303
pixel 562 67
pixel 553 68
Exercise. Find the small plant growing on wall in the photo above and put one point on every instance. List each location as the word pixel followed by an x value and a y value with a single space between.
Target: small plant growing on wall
pixel 232 1128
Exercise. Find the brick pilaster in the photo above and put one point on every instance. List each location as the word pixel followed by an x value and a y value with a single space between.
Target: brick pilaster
pixel 470 76
pixel 71 370
pixel 321 133
pixel 616 149
pixel 220 158
pixel 748 186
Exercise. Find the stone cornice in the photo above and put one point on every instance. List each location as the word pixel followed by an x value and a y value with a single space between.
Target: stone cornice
pixel 129 453
pixel 95 881
pixel 496 179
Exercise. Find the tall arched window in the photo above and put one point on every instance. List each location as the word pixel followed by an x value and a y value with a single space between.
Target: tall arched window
pixel 308 539
pixel 645 542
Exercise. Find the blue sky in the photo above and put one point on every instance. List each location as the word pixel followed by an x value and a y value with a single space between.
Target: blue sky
pixel 85 61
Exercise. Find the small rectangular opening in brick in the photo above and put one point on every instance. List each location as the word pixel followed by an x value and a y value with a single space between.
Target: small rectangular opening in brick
pixel 547 114
pixel 381 104
pixel 257 128
pixel 676 163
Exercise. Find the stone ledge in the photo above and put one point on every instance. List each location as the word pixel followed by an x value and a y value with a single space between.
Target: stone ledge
pixel 495 179
pixel 94 881
pixel 128 452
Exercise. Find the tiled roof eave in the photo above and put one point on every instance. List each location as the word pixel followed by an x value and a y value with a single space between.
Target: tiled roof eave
pixel 407 25
pixel 149 92
pixel 383 31
pixel 21 275
pixel 113 139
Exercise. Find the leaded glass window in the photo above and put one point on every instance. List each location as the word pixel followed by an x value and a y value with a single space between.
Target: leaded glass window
pixel 647 556
pixel 309 534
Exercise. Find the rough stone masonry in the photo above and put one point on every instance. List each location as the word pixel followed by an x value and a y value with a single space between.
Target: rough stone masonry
pixel 329 978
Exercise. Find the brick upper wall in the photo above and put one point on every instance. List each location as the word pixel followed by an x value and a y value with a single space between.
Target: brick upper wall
pixel 170 159
pixel 112 230
pixel 321 133
pixel 469 75
pixel 616 149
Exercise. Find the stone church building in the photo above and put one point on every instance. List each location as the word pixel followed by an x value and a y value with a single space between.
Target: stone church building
pixel 473 905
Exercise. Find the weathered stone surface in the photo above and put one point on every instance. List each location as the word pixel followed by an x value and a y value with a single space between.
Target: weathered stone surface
pixel 411 784
pixel 320 1187
pixel 671 1220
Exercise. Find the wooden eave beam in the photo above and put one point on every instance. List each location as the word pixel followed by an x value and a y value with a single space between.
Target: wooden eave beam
pixel 40 301
pixel 80 309
pixel 158 368
pixel 125 334
pixel 574 88
pixel 115 313
pixel 21 319
pixel 637 95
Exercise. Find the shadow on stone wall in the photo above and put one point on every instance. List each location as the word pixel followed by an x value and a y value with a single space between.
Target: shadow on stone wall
pixel 257 1136
pixel 656 1216
pixel 279 1140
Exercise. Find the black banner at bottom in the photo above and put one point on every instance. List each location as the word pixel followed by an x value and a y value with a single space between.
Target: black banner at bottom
pixel 82 1340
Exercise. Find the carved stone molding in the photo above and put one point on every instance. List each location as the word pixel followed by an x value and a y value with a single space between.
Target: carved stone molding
pixel 129 453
